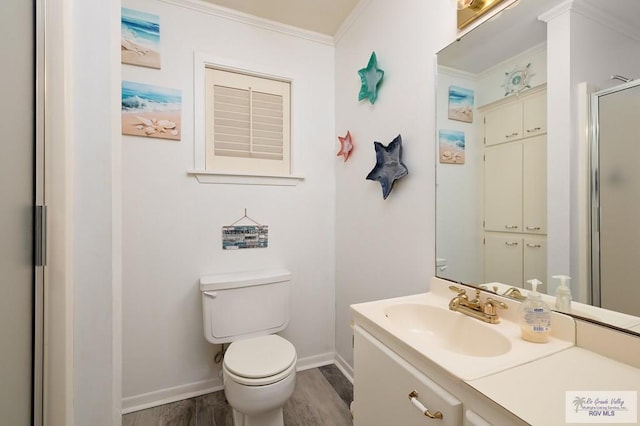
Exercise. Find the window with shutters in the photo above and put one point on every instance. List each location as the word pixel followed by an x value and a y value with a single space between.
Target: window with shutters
pixel 247 122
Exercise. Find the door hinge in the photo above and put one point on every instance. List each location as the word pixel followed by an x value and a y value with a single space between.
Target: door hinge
pixel 40 239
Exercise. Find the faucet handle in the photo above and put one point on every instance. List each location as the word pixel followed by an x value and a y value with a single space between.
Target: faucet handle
pixel 460 291
pixel 490 306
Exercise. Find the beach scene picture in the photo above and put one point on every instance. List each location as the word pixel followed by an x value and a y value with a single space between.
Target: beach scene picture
pixel 140 38
pixel 451 146
pixel 151 111
pixel 460 104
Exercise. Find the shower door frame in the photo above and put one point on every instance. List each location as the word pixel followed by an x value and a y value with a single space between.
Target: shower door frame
pixel 596 285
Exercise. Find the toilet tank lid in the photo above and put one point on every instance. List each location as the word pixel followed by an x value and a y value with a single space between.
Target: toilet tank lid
pixel 243 279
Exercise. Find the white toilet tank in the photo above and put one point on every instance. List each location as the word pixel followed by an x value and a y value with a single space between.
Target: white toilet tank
pixel 245 304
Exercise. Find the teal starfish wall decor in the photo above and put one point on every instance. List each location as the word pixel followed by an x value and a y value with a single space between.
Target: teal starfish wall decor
pixel 371 77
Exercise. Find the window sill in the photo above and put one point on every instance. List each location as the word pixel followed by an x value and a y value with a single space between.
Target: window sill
pixel 204 176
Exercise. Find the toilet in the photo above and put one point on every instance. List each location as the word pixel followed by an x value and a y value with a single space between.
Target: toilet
pixel 246 309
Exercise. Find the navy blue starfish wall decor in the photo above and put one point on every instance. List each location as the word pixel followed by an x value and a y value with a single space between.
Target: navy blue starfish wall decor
pixel 389 166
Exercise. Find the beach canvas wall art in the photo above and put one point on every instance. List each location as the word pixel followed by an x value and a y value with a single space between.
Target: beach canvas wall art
pixel 140 38
pixel 460 104
pixel 451 147
pixel 151 111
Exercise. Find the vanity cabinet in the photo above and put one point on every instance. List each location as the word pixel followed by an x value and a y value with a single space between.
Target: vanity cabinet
pixel 516 118
pixel 384 384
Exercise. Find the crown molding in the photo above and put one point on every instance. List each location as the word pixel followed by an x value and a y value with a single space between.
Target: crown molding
pixel 598 15
pixel 350 20
pixel 595 14
pixel 245 18
pixel 452 72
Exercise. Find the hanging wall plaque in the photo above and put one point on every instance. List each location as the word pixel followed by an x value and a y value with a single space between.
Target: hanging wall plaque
pixel 252 235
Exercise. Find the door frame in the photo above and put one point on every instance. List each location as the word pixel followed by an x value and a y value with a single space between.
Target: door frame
pixel 57 369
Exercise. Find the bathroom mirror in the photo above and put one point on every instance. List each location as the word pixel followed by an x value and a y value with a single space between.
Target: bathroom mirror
pixel 564 51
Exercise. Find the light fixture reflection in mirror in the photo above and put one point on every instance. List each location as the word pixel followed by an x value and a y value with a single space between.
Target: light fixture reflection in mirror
pixel 490 50
pixel 470 10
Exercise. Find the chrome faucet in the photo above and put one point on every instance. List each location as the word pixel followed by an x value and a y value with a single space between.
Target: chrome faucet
pixel 484 311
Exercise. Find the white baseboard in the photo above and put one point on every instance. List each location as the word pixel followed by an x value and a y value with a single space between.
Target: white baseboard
pixel 344 367
pixel 191 390
pixel 315 361
pixel 168 395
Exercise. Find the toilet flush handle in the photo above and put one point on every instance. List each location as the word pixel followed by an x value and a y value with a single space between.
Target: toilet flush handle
pixel 212 294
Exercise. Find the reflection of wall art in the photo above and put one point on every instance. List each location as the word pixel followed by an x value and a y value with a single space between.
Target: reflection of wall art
pixel 517 80
pixel 451 147
pixel 151 111
pixel 389 166
pixel 140 38
pixel 346 146
pixel 460 104
pixel 371 77
pixel 245 236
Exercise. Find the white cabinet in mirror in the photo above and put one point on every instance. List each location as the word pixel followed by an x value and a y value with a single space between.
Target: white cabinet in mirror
pixel 520 206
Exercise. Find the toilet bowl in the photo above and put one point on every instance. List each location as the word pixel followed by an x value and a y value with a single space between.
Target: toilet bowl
pixel 259 377
pixel 259 367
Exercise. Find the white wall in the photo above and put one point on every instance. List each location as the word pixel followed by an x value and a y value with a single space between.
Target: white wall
pixel 386 247
pixel 172 224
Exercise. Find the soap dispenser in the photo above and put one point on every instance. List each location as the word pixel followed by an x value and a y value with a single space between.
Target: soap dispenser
pixel 535 316
pixel 563 294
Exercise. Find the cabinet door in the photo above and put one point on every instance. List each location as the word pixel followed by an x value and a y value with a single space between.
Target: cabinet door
pixel 535 115
pixel 503 124
pixel 503 259
pixel 534 185
pixel 535 261
pixel 383 382
pixel 503 188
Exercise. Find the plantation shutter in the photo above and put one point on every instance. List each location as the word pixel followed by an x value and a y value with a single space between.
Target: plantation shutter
pixel 247 124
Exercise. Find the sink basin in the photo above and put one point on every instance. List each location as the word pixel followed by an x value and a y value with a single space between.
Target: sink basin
pixel 421 327
pixel 452 331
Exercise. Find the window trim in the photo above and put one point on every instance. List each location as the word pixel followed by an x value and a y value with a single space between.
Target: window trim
pixel 202 61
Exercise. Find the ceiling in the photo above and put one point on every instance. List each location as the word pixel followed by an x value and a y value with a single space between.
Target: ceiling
pixel 323 17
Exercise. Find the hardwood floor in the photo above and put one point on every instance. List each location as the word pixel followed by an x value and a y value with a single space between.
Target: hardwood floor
pixel 321 398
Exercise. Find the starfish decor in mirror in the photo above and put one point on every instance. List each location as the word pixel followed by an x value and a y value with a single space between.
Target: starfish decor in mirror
pixel 389 166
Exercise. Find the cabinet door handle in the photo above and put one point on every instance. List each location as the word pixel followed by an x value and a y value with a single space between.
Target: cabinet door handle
pixel 511 226
pixel 510 243
pixel 512 135
pixel 533 245
pixel 533 228
pixel 535 129
pixel 413 397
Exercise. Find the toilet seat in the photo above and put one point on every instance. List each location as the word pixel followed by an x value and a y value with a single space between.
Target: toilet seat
pixel 260 360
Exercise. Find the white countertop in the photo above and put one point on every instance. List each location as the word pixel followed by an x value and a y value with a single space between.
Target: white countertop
pixel 373 317
pixel 543 402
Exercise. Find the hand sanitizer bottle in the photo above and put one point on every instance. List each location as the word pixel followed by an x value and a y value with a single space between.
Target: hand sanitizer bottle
pixel 535 316
pixel 563 294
